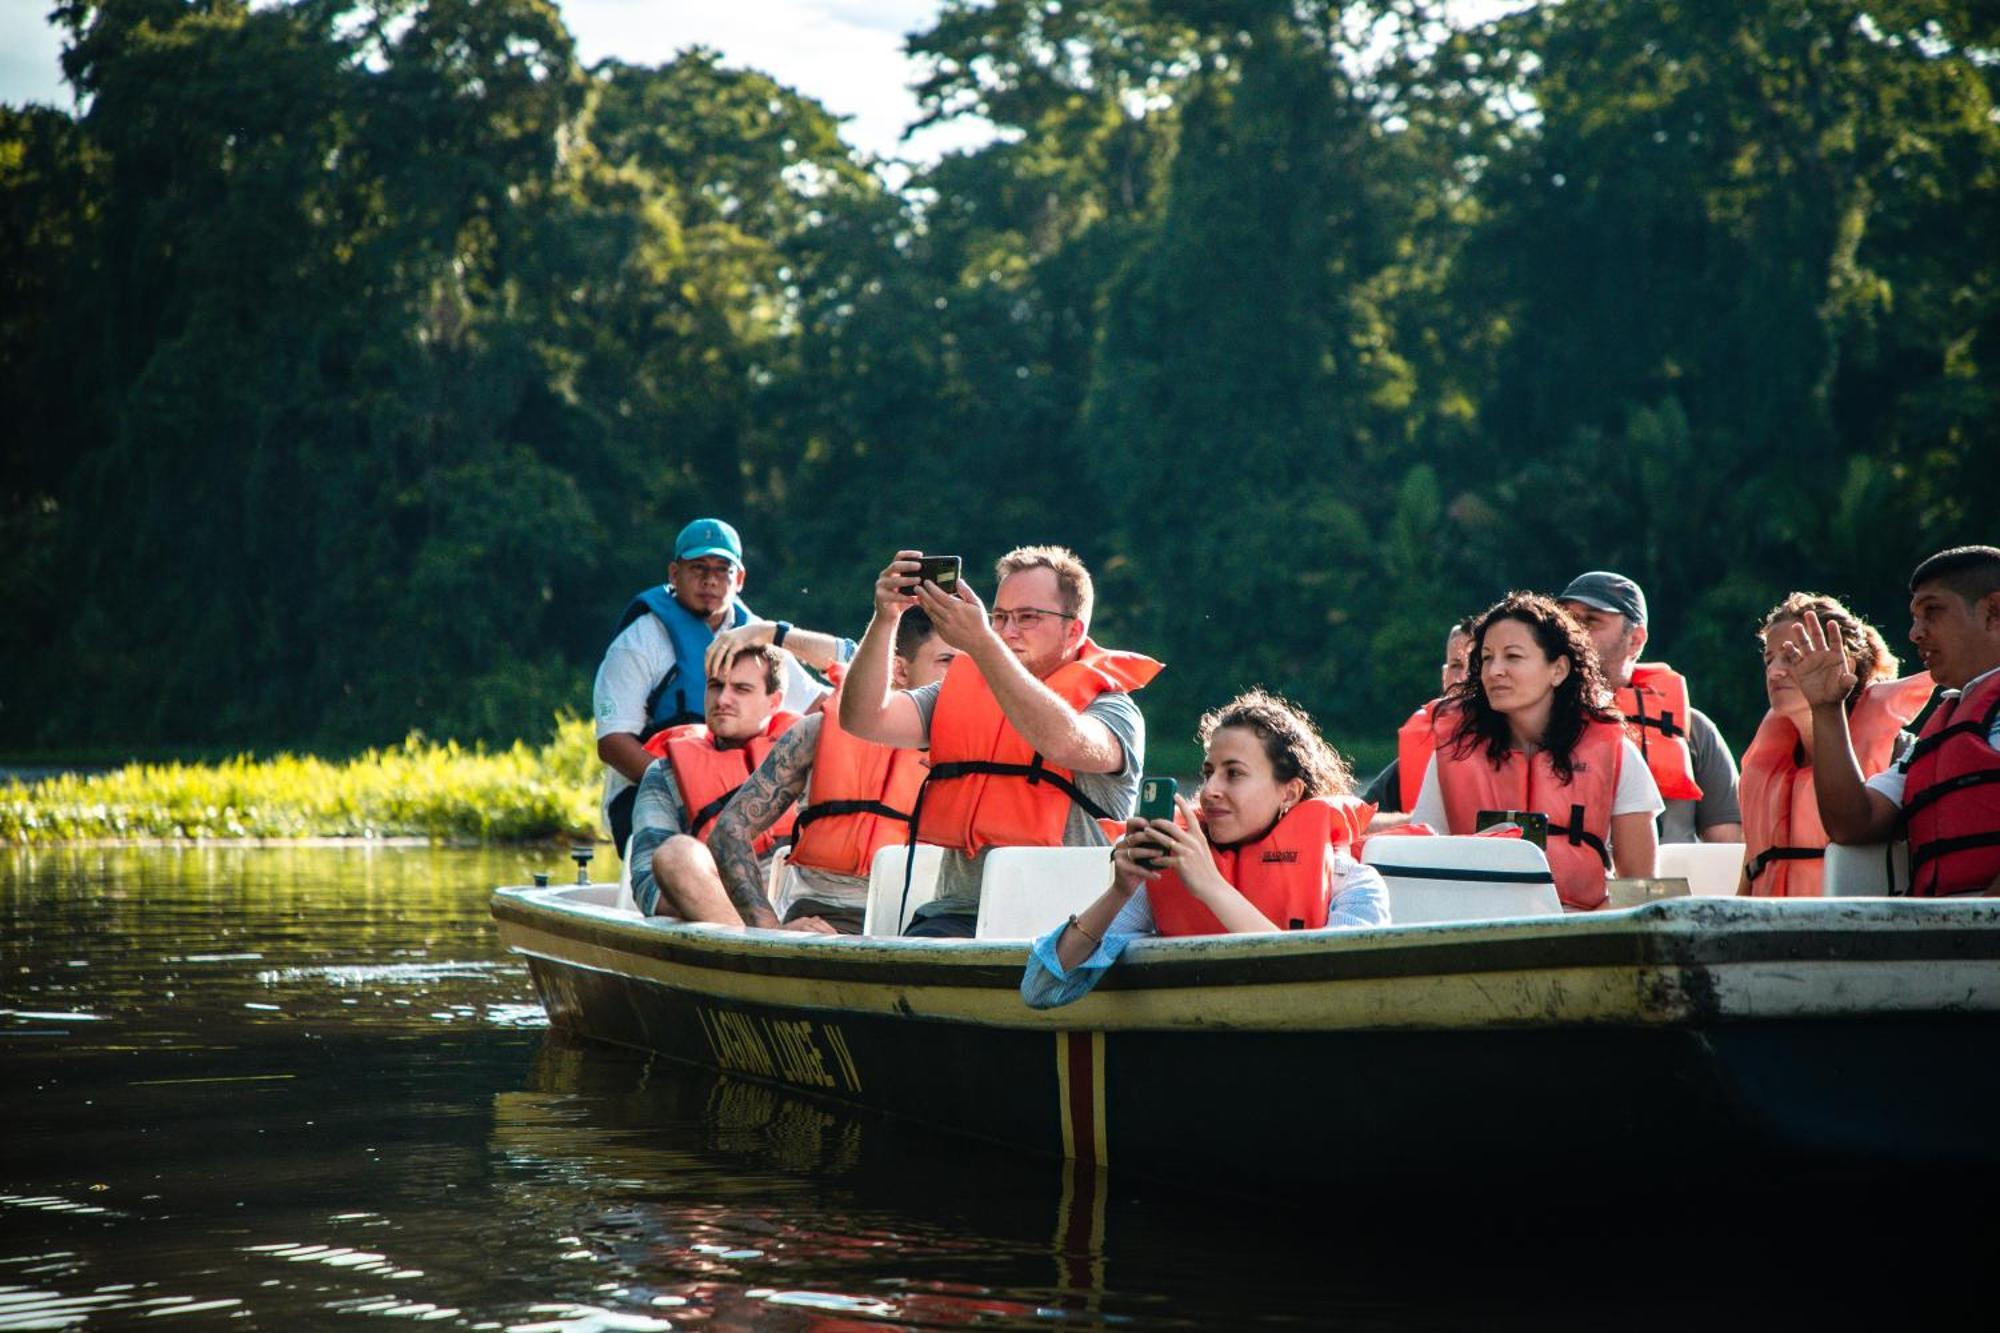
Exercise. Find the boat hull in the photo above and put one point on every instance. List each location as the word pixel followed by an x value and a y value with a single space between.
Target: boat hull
pixel 1680 1037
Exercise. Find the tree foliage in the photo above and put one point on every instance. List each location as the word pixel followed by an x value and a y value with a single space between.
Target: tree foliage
pixel 362 355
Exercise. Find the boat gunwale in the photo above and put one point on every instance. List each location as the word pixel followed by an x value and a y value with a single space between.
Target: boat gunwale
pixel 1675 933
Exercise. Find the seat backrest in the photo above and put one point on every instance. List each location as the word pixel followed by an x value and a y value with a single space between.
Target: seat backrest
pixel 1862 870
pixel 1462 879
pixel 1712 869
pixel 885 887
pixel 1025 891
pixel 780 885
pixel 600 893
pixel 624 901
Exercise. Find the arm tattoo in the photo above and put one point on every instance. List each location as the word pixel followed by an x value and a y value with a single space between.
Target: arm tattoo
pixel 778 782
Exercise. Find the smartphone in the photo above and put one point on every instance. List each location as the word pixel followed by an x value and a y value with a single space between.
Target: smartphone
pixel 1156 801
pixel 1156 798
pixel 1534 824
pixel 942 570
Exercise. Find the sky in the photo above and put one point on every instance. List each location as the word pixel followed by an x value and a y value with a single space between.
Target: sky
pixel 846 53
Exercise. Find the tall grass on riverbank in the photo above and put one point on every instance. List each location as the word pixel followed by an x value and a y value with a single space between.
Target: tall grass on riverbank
pixel 420 788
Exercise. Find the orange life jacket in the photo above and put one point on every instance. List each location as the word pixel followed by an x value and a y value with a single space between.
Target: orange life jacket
pixel 1655 705
pixel 1783 840
pixel 708 776
pixel 1579 810
pixel 1284 873
pixel 1416 741
pixel 1951 797
pixel 859 797
pixel 987 786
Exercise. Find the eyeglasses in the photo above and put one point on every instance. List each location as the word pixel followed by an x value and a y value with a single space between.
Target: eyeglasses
pixel 1027 617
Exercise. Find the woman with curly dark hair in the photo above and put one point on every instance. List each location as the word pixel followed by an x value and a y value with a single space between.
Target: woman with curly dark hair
pixel 1784 842
pixel 1532 729
pixel 1268 845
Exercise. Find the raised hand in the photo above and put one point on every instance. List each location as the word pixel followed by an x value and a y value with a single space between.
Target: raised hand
pixel 727 643
pixel 1127 874
pixel 895 588
pixel 960 618
pixel 1817 660
pixel 1186 844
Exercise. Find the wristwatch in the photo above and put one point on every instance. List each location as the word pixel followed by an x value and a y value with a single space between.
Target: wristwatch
pixel 778 634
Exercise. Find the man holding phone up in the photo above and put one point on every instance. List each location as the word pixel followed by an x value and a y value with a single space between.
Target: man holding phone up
pixel 852 798
pixel 1033 733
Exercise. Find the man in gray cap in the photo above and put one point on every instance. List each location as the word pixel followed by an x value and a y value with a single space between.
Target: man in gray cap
pixel 670 639
pixel 1689 760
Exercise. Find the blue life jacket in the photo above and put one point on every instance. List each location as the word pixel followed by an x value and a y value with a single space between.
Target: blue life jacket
pixel 669 705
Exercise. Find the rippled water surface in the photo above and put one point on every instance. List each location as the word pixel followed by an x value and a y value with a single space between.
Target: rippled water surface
pixel 301 1088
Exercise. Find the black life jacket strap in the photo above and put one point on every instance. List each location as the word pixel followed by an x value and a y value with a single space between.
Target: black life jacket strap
pixel 1035 772
pixel 1664 724
pixel 1583 837
pixel 1915 726
pixel 1925 744
pixel 828 809
pixel 655 724
pixel 710 811
pixel 910 853
pixel 1472 876
pixel 1931 851
pixel 1763 860
pixel 1937 791
pixel 1971 726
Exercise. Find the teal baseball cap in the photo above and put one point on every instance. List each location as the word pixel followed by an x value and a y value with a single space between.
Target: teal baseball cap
pixel 708 536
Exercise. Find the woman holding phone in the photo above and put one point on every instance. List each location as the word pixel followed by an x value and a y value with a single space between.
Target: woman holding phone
pixel 1532 729
pixel 1268 845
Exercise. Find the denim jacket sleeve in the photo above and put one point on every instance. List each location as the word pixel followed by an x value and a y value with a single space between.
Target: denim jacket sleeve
pixel 1047 985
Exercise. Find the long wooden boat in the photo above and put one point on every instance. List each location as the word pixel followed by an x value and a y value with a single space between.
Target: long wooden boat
pixel 1687 1035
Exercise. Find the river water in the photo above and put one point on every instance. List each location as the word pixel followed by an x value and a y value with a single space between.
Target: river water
pixel 304 1087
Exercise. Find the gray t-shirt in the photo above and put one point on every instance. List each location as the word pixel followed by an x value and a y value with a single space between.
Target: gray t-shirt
pixel 1114 793
pixel 1715 774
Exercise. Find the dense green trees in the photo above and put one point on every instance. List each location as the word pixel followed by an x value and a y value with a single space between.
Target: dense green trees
pixel 360 355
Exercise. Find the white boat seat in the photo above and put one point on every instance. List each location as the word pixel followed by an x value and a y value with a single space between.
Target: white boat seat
pixel 598 893
pixel 780 885
pixel 624 901
pixel 1462 879
pixel 1026 891
pixel 885 887
pixel 1712 869
pixel 1861 870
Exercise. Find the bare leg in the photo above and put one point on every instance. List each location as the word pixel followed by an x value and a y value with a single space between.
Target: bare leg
pixel 690 885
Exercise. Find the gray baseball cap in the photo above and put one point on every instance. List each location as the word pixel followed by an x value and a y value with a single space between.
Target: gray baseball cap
pixel 1607 592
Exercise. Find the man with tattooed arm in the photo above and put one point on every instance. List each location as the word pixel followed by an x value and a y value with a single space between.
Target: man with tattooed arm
pixel 681 795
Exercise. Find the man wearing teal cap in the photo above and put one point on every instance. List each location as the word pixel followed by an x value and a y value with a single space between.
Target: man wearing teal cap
pixel 655 673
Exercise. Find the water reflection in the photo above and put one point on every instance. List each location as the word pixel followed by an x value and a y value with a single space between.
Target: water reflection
pixel 715 1190
pixel 289 1085
pixel 292 1088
